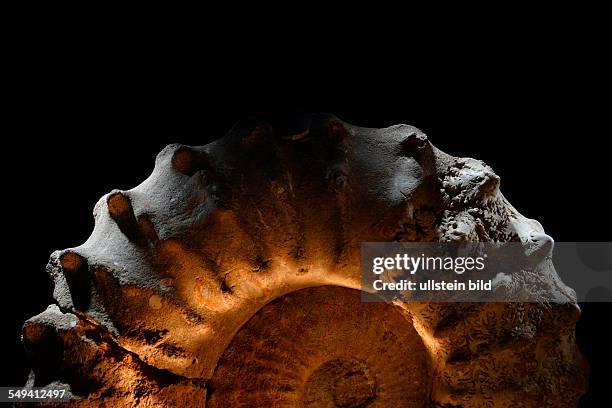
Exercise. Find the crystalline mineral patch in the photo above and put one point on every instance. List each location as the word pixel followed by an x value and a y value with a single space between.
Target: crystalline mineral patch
pixel 230 277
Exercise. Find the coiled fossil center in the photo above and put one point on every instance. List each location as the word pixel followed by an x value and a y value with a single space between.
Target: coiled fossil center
pixel 323 347
pixel 346 383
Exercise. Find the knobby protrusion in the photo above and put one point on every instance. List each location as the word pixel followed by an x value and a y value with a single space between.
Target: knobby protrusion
pixel 76 272
pixel 189 161
pixel 73 262
pixel 140 231
pixel 539 247
pixel 292 126
pixel 416 145
pixel 260 134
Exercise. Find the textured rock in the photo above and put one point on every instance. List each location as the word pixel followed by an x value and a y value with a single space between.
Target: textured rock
pixel 197 287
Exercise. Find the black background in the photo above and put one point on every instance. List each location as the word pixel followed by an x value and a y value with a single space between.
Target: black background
pixel 85 119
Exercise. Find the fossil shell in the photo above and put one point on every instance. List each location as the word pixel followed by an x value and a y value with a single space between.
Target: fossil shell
pixel 230 277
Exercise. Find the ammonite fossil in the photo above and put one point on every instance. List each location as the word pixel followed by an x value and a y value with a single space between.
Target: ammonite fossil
pixel 230 278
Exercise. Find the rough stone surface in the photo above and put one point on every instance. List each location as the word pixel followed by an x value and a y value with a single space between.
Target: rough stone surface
pixel 229 278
